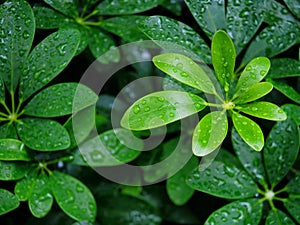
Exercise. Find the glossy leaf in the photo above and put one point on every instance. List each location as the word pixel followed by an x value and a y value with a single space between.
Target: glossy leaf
pixel 8 131
pixel 184 70
pixel 209 133
pixel 13 170
pixel 293 187
pixel 286 90
pixel 264 110
pixel 254 92
pixel 210 15
pixel 57 50
pixel 292 111
pixel 249 131
pixel 118 7
pixel 178 191
pixel 281 149
pixel 277 12
pixel 251 160
pixel 223 180
pixel 41 199
pixel 16 38
pixel 170 84
pixel 239 212
pixel 294 6
pixel 160 108
pixel 2 90
pixel 8 201
pixel 223 58
pixel 113 147
pixel 284 67
pixel 254 72
pixel 176 37
pixel 12 149
pixel 43 135
pixel 278 218
pixel 59 100
pixel 24 187
pixel 173 5
pixel 46 18
pixel 73 197
pixel 293 207
pixel 67 7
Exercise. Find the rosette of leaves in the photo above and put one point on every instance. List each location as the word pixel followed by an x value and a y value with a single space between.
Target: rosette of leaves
pixel 256 188
pixel 234 99
pixel 29 131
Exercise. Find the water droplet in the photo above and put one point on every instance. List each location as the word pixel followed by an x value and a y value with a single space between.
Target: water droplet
pixel 263 72
pixel 136 109
pixel 225 64
pixel 179 65
pixel 26 35
pixel 147 109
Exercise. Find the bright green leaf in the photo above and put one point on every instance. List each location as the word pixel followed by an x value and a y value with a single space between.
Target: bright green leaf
pixel 278 218
pixel 184 70
pixel 160 108
pixel 67 7
pixel 293 187
pixel 73 197
pixel 24 187
pixel 13 170
pixel 42 134
pixel 239 212
pixel 281 149
pixel 57 50
pixel 293 207
pixel 12 149
pixel 249 131
pixel 223 58
pixel 8 201
pixel 294 6
pixel 46 18
pixel 17 31
pixel 284 67
pixel 286 90
pixel 8 131
pixel 209 133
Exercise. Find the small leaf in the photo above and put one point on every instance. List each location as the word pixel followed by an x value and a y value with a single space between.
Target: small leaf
pixel 8 201
pixel 12 149
pixel 239 212
pixel 209 133
pixel 223 180
pixel 249 131
pixel 46 18
pixel 293 207
pixel 286 90
pixel 184 70
pixel 293 6
pixel 293 187
pixel 281 149
pixel 57 50
pixel 223 58
pixel 284 67
pixel 73 197
pixel 13 170
pixel 292 111
pixel 67 7
pixel 160 108
pixel 24 187
pixel 43 135
pixel 278 218
pixel 264 110
pixel 178 191
pixel 8 131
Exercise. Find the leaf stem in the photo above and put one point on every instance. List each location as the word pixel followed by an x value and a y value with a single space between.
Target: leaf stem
pixel 280 191
pixel 5 106
pixel 12 94
pixel 280 199
pixel 90 15
pixel 92 23
pixel 213 104
pixel 19 106
pixel 219 97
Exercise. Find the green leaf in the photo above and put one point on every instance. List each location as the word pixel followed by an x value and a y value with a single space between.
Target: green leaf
pixel 209 133
pixel 292 111
pixel 293 187
pixel 24 187
pixel 178 191
pixel 67 7
pixel 223 58
pixel 293 207
pixel 8 131
pixel 210 15
pixel 286 90
pixel 125 26
pixel 251 160
pixel 13 170
pixel 184 70
pixel 249 131
pixel 254 72
pixel 43 135
pixel 223 180
pixel 17 31
pixel 8 201
pixel 176 37
pixel 278 218
pixel 264 110
pixel 46 18
pixel 281 149
pixel 277 13
pixel 172 5
pixel 113 147
pixel 160 108
pixel 57 50
pixel 12 149
pixel 119 7
pixel 82 223
pixel 2 90
pixel 294 6
pixel 238 212
pixel 73 197
pixel 59 100
pixel 284 67
pixel 254 92
pixel 41 199
pixel 243 14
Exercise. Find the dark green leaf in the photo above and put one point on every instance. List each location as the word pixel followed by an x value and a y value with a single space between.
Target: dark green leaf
pixel 209 133
pixel 176 37
pixel 82 223
pixel 8 130
pixel 170 84
pixel 293 207
pixel 278 218
pixel 73 197
pixel 160 108
pixel 16 35
pixel 223 180
pixel 24 187
pixel 12 149
pixel 13 170
pixel 2 91
pixel 43 135
pixel 239 212
pixel 210 15
pixel 294 6
pixel 276 12
pixel 286 90
pixel 67 7
pixel 284 67
pixel 8 201
pixel 172 5
pixel 249 131
pixel 57 50
pixel 46 18
pixel 292 111
pixel 281 149
pixel 293 187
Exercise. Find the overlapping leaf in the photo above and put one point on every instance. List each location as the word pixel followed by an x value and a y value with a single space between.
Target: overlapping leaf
pixel 9 201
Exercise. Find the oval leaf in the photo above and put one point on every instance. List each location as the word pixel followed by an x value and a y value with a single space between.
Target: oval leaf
pixel 8 131
pixel 284 67
pixel 293 6
pixel 13 170
pixel 293 207
pixel 12 149
pixel 286 90
pixel 292 111
pixel 24 187
pixel 293 187
pixel 67 7
pixel 278 218
pixel 46 18
pixel 8 201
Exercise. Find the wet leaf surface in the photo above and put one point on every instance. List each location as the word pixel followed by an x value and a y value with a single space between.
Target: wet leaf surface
pixel 13 170
pixel 293 207
pixel 286 90
pixel 278 218
pixel 284 67
pixel 292 111
pixel 67 7
pixel 46 18
pixel 12 149
pixel 8 201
